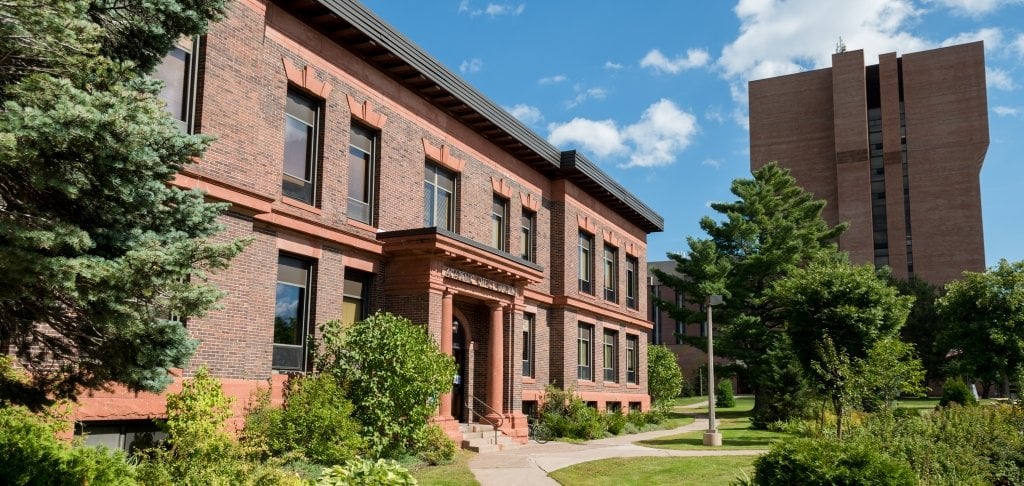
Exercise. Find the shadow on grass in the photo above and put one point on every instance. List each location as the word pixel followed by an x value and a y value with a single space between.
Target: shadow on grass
pixel 699 442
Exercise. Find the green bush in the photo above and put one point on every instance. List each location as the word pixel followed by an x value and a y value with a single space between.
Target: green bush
pixel 314 422
pixel 435 446
pixel 956 391
pixel 783 393
pixel 364 472
pixel 664 378
pixel 825 462
pixel 567 415
pixel 32 454
pixel 615 422
pixel 393 372
pixel 723 394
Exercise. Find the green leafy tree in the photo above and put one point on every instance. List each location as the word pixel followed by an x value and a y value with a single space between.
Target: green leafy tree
pixel 835 313
pixel 773 228
pixel 394 373
pixel 890 370
pixel 985 312
pixel 96 249
pixel 664 378
pixel 923 325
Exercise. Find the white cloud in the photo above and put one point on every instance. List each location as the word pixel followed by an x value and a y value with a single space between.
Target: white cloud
pixel 999 79
pixel 583 95
pixel 525 113
pixel 662 132
pixel 975 8
pixel 715 114
pixel 711 163
pixel 1018 45
pixel 1005 110
pixel 492 9
pixel 694 58
pixel 612 65
pixel 992 36
pixel 471 66
pixel 558 78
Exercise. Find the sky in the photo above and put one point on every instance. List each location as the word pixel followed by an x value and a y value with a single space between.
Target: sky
pixel 655 92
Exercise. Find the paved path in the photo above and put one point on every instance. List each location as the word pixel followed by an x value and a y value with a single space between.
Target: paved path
pixel 530 464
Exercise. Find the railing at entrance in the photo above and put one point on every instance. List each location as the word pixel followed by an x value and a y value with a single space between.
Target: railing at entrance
pixel 501 418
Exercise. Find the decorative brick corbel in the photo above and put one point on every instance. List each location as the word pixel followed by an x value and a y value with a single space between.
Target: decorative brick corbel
pixel 586 224
pixel 305 78
pixel 443 155
pixel 631 250
pixel 501 188
pixel 529 202
pixel 610 238
pixel 366 113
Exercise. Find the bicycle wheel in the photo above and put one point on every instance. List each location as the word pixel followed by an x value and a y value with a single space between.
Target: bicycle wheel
pixel 541 433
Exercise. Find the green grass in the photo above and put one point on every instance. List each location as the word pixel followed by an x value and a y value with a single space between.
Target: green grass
pixel 931 402
pixel 742 409
pixel 683 401
pixel 734 424
pixel 719 470
pixel 455 474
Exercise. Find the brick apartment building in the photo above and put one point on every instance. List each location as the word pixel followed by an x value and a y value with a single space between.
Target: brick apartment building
pixel 895 149
pixel 368 176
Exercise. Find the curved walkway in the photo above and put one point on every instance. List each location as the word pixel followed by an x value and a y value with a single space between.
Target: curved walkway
pixel 530 464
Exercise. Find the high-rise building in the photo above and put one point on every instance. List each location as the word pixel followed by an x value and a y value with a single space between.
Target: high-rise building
pixel 894 148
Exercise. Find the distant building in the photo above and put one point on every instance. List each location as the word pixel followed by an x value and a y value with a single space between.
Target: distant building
pixel 894 148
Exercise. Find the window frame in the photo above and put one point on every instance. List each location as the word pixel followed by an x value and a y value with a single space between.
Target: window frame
pixel 610 355
pixel 186 116
pixel 586 263
pixel 372 160
pixel 429 219
pixel 313 144
pixel 632 282
pixel 499 223
pixel 529 345
pixel 585 342
pixel 365 280
pixel 610 259
pixel 632 358
pixel 305 303
pixel 528 235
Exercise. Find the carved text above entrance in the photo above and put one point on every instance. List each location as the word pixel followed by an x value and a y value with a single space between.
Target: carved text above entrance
pixel 464 276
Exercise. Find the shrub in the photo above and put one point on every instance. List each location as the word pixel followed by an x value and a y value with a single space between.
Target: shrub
pixel 364 472
pixel 567 415
pixel 956 391
pixel 615 422
pixel 664 378
pixel 435 446
pixel 723 394
pixel 783 392
pixel 393 372
pixel 314 422
pixel 32 454
pixel 813 462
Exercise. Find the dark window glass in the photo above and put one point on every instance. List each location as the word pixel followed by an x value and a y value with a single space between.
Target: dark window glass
pixel 291 312
pixel 632 282
pixel 301 131
pixel 584 345
pixel 611 273
pixel 439 198
pixel 362 165
pixel 527 244
pixel 353 303
pixel 528 344
pixel 632 358
pixel 586 263
pixel 178 70
pixel 499 214
pixel 611 356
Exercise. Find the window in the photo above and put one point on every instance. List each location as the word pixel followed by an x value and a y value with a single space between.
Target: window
pixel 527 244
pixel 680 325
pixel 611 356
pixel 119 435
pixel 632 282
pixel 584 360
pixel 291 313
pixel 301 146
pixel 632 358
pixel 528 344
pixel 362 168
pixel 439 198
pixel 499 215
pixel 179 70
pixel 586 263
pixel 611 273
pixel 353 302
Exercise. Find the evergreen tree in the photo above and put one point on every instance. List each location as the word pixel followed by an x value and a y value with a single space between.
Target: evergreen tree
pixel 773 228
pixel 96 249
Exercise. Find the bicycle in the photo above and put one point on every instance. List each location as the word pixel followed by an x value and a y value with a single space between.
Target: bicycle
pixel 539 432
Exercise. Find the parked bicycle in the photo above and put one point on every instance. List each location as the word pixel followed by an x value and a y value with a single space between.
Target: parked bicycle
pixel 539 432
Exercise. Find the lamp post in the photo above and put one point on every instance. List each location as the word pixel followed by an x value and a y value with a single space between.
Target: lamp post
pixel 712 437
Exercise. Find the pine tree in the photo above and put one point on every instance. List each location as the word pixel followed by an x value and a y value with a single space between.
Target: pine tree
pixel 96 249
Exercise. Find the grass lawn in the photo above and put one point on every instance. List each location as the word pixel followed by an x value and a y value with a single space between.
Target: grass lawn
pixel 455 474
pixel 656 470
pixel 734 424
pixel 931 402
pixel 681 402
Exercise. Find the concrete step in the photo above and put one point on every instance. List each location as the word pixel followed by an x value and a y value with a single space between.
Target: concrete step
pixel 481 438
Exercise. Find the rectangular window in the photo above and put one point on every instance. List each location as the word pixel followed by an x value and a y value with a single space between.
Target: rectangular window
pixel 632 282
pixel 120 434
pixel 527 245
pixel 632 358
pixel 584 347
pixel 291 316
pixel 354 295
pixel 528 344
pixel 611 356
pixel 586 263
pixel 179 70
pixel 301 146
pixel 362 172
pixel 499 217
pixel 611 273
pixel 439 198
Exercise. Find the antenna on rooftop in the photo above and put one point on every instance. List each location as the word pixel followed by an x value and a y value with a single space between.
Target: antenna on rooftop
pixel 840 46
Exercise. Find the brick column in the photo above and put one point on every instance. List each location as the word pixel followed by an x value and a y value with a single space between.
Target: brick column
pixel 446 348
pixel 495 372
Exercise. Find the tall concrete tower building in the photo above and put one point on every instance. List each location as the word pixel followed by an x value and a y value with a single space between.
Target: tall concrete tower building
pixel 895 149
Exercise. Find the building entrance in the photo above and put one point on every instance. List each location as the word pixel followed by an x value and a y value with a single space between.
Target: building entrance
pixel 459 387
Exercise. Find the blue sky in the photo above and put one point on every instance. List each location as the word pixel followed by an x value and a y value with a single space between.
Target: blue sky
pixel 655 92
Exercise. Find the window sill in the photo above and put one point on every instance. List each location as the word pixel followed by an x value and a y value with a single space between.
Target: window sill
pixel 528 380
pixel 361 225
pixel 586 383
pixel 295 203
pixel 611 384
pixel 632 386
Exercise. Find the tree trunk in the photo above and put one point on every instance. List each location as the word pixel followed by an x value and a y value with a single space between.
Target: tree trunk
pixel 839 418
pixel 985 387
pixel 1006 384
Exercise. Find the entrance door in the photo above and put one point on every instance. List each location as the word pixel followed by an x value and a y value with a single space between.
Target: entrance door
pixel 459 352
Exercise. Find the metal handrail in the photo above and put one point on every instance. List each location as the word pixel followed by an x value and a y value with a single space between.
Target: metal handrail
pixel 501 418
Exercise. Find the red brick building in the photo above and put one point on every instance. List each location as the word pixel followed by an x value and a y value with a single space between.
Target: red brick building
pixel 895 149
pixel 369 176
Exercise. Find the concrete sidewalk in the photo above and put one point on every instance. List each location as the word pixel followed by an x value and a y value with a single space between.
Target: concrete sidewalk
pixel 530 464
